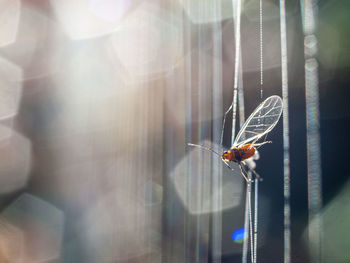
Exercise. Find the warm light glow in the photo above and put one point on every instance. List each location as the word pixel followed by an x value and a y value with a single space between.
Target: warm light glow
pixel 147 42
pixel 83 19
pixel 109 10
pixel 9 16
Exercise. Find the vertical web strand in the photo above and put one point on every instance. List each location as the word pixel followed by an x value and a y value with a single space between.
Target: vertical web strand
pixel 315 235
pixel 261 49
pixel 256 182
pixel 246 227
pixel 250 218
pixel 241 95
pixel 286 159
pixel 237 25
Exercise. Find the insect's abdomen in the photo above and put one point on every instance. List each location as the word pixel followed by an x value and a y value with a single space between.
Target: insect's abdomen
pixel 242 153
pixel 246 151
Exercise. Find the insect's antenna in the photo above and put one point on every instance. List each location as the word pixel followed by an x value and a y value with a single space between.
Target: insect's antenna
pixel 211 150
pixel 223 125
pixel 205 148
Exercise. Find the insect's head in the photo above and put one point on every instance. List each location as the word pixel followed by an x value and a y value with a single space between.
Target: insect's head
pixel 226 156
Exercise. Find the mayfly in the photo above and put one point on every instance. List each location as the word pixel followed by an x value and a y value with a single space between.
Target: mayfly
pixel 263 119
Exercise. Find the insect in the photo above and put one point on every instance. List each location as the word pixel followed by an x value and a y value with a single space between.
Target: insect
pixel 263 119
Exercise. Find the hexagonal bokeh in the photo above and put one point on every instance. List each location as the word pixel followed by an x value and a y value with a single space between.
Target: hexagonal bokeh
pixel 15 164
pixel 9 16
pixel 196 190
pixel 10 88
pixel 90 18
pixel 331 229
pixel 112 231
pixel 148 41
pixel 41 224
pixel 38 46
pixel 109 10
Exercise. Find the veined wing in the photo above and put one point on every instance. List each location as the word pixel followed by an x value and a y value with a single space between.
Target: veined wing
pixel 261 121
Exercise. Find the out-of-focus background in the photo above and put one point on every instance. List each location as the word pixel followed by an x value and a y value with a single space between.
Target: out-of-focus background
pixel 99 99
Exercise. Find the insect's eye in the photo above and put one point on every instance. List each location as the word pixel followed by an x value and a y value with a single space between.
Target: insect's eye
pixel 225 152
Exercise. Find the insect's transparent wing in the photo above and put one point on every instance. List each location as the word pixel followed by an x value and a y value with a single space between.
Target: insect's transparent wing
pixel 261 121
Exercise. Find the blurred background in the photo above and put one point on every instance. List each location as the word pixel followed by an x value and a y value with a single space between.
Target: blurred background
pixel 99 99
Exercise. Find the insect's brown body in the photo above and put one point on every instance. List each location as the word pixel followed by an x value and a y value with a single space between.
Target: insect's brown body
pixel 238 154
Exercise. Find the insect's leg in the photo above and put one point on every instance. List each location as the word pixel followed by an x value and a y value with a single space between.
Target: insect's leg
pixel 243 172
pixel 229 167
pixel 256 175
pixel 254 142
pixel 223 125
pixel 253 171
pixel 242 165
